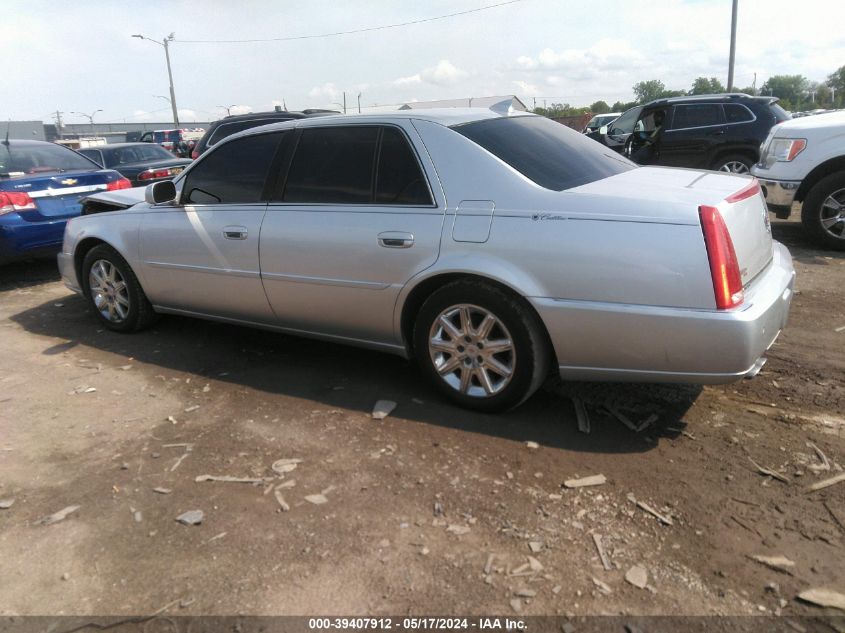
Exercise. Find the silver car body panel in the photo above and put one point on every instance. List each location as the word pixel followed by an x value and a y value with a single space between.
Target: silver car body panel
pixel 617 269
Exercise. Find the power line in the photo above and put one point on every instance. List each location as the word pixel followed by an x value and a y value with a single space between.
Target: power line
pixel 366 30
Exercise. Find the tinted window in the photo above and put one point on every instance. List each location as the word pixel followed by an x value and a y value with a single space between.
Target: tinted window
pixel 779 113
pixel 400 179
pixel 93 154
pixel 333 164
pixel 697 115
pixel 135 154
pixel 736 113
pixel 42 158
pixel 550 154
pixel 234 172
pixel 227 129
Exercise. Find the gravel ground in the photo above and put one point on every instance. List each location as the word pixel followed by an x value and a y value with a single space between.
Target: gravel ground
pixel 431 510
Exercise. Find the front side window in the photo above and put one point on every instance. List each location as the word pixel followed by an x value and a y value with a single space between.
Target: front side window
pixel 546 152
pixel 697 115
pixel 234 172
pixel 625 123
pixel 333 165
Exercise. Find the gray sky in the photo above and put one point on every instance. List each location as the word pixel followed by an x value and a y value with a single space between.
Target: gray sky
pixel 79 56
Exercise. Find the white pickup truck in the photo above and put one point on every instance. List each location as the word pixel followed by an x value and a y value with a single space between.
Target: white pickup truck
pixel 803 160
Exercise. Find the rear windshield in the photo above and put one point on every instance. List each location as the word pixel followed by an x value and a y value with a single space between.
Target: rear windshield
pixel 135 154
pixel 41 158
pixel 227 129
pixel 780 114
pixel 548 153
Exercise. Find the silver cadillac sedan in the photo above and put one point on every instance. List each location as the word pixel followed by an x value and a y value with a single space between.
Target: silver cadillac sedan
pixel 492 247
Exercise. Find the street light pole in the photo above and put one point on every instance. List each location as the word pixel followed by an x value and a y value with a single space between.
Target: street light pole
pixel 90 118
pixel 227 108
pixel 164 43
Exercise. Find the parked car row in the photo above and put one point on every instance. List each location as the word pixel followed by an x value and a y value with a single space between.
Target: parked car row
pixel 491 247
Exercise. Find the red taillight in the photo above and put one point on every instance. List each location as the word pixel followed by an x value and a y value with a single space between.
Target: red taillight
pixel 752 189
pixel 724 266
pixel 120 183
pixel 11 201
pixel 152 174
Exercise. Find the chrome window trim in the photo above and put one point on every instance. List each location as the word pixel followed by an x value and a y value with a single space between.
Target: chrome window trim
pixel 212 140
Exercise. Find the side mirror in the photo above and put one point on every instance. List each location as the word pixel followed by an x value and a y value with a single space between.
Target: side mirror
pixel 159 192
pixel 603 130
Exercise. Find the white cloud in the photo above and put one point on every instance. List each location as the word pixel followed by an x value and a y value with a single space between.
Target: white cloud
pixel 445 73
pixel 142 115
pixel 186 115
pixel 526 88
pixel 606 54
pixel 240 109
pixel 328 91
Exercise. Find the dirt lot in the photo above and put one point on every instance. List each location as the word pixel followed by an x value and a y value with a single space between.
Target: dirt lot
pixel 432 510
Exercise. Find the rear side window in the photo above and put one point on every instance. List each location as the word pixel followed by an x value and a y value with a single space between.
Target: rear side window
pixel 333 165
pixel 736 113
pixel 400 179
pixel 548 153
pixel 233 173
pixel 227 129
pixel 697 115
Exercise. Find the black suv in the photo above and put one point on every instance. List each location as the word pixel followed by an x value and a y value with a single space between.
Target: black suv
pixel 721 132
pixel 227 126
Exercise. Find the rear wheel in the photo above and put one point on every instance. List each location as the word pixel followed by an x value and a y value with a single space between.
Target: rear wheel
pixel 823 212
pixel 480 346
pixel 113 291
pixel 734 164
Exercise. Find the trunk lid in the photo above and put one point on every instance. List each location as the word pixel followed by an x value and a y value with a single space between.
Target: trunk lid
pixel 675 195
pixel 58 195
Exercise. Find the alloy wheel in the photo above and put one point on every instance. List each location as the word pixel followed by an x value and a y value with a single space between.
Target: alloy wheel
pixel 832 216
pixel 472 350
pixel 735 167
pixel 108 291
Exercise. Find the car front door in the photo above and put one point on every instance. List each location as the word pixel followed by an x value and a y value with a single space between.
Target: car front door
pixel 693 132
pixel 353 219
pixel 201 255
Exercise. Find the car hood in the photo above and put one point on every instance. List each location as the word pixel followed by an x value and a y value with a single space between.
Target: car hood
pixel 795 127
pixel 122 199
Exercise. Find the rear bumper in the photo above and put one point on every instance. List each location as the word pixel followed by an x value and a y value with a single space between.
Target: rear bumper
pixel 632 343
pixel 780 194
pixel 20 239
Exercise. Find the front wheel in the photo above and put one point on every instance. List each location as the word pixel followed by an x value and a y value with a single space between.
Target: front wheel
pixel 113 291
pixel 480 346
pixel 823 212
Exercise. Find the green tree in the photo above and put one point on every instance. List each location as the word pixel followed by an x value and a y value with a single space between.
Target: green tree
pixel 789 88
pixel 599 107
pixel 650 90
pixel 705 86
pixel 621 106
pixel 836 80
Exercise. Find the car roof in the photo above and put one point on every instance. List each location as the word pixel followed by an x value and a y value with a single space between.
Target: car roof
pixel 725 97
pixel 121 145
pixel 291 114
pixel 28 142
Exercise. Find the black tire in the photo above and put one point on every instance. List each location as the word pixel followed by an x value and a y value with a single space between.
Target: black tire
pixel 139 314
pixel 812 212
pixel 729 159
pixel 531 353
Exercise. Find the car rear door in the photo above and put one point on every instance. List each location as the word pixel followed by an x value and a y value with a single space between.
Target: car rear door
pixel 353 219
pixel 201 256
pixel 693 133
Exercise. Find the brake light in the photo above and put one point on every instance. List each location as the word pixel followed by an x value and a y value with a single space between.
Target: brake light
pixel 120 183
pixel 152 174
pixel 746 192
pixel 11 201
pixel 724 266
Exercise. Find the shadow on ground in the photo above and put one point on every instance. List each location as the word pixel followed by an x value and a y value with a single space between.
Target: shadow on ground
pixel 351 378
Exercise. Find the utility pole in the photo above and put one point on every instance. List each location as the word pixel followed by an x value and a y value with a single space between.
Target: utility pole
pixel 754 85
pixel 535 102
pixel 344 101
pixel 733 46
pixel 832 96
pixel 59 125
pixel 359 103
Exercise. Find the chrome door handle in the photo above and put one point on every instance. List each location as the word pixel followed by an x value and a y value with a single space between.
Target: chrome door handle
pixel 235 232
pixel 395 239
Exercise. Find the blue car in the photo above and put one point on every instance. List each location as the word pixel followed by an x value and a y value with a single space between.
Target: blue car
pixel 41 185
